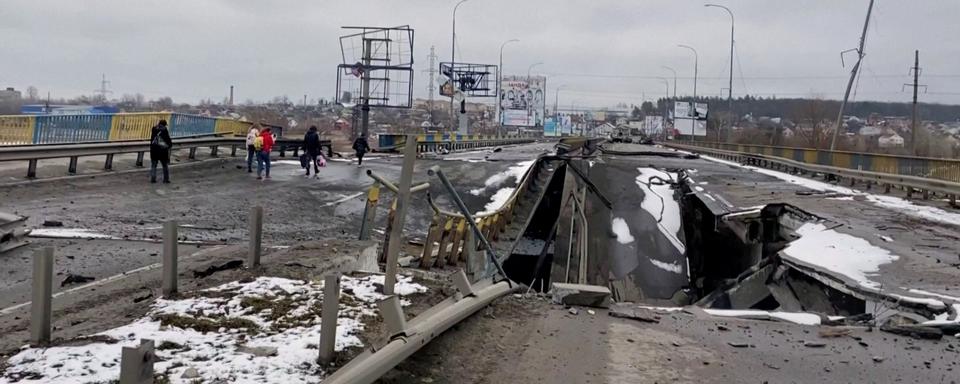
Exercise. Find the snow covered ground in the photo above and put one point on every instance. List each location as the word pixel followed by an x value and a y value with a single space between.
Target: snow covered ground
pixel 500 198
pixel 214 331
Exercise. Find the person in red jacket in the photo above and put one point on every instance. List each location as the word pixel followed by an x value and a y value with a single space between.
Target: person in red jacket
pixel 263 156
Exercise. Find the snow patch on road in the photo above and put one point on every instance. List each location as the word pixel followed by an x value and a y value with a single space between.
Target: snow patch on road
pixel 516 172
pixel 621 230
pixel 669 267
pixel 658 201
pixel 841 253
pixel 889 202
pixel 69 233
pixel 497 200
pixel 801 318
pixel 215 354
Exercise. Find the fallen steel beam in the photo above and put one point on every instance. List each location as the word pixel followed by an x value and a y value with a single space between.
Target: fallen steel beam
pixel 368 367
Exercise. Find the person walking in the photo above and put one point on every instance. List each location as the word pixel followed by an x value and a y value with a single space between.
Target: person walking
pixel 311 145
pixel 160 144
pixel 362 147
pixel 263 156
pixel 251 151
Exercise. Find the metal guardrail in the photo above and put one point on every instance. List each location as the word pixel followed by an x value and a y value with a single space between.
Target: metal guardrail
pixel 452 142
pixel 51 129
pixel 926 167
pixel 923 184
pixel 33 154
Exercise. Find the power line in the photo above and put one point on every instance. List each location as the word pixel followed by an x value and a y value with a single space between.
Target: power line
pixel 796 77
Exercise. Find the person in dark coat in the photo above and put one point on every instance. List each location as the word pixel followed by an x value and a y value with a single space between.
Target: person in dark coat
pixel 160 145
pixel 362 147
pixel 311 145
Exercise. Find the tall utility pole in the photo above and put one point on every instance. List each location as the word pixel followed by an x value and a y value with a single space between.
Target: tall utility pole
pixel 365 88
pixel 730 87
pixel 432 85
pixel 853 76
pixel 500 83
pixel 103 91
pixel 915 125
pixel 453 61
pixel 231 96
pixel 674 80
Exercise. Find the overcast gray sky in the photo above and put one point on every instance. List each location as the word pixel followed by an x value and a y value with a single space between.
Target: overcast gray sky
pixel 602 50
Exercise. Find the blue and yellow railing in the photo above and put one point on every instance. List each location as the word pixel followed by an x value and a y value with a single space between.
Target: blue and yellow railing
pixel 927 167
pixel 58 129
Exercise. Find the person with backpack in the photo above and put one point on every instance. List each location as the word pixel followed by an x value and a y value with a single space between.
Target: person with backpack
pixel 362 147
pixel 160 144
pixel 264 144
pixel 311 145
pixel 251 151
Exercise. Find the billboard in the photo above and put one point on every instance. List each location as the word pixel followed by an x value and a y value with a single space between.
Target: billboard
pixel 689 118
pixel 523 100
pixel 653 125
pixel 550 128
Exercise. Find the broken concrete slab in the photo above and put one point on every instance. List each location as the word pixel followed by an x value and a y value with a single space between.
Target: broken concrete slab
pixel 580 294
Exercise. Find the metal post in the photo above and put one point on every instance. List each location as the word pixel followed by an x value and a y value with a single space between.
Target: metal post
pixel 453 61
pixel 328 321
pixel 136 363
pixel 914 123
pixel 393 315
pixel 462 283
pixel 730 87
pixel 139 162
pixel 193 153
pixel 169 258
pixel 365 88
pixel 108 163
pixel 42 296
pixel 435 170
pixel 72 167
pixel 674 80
pixel 403 200
pixel 32 169
pixel 256 237
pixel 213 151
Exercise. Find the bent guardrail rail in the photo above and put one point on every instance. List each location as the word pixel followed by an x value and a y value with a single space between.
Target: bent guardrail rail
pixel 452 142
pixel 909 182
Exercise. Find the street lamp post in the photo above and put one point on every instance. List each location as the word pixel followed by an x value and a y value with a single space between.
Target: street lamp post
pixel 556 102
pixel 674 80
pixel 696 67
pixel 453 60
pixel 499 84
pixel 730 87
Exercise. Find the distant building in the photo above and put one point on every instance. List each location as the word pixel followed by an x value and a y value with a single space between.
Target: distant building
pixel 871 131
pixel 10 100
pixel 892 140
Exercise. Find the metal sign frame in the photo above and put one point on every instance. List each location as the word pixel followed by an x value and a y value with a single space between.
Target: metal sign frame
pixel 473 80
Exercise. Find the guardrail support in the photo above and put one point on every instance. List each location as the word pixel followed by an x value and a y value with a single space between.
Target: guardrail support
pixel 136 363
pixel 328 321
pixel 256 237
pixel 393 316
pixel 193 153
pixel 403 200
pixel 233 151
pixel 32 169
pixel 42 296
pixel 370 211
pixel 213 151
pixel 72 167
pixel 108 163
pixel 139 163
pixel 169 258
pixel 462 283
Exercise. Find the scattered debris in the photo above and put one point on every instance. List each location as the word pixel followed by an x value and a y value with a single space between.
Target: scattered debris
pixel 581 294
pixel 914 331
pixel 75 279
pixel 191 373
pixel 629 313
pixel 573 311
pixel 263 351
pixel 833 332
pixel 297 264
pixel 52 223
pixel 878 359
pixel 814 344
pixel 232 264
pixel 738 344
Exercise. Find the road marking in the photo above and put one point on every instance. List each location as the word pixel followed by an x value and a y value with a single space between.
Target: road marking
pixel 150 267
pixel 346 198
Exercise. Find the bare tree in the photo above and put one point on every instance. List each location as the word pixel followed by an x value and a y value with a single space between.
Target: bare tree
pixel 33 94
pixel 813 119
